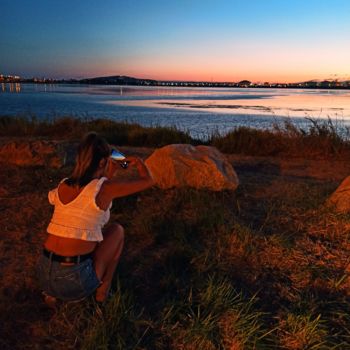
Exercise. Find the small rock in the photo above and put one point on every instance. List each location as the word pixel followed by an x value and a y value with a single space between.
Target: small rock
pixel 340 199
pixel 36 152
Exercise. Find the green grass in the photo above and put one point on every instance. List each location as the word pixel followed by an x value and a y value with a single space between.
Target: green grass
pixel 303 332
pixel 214 316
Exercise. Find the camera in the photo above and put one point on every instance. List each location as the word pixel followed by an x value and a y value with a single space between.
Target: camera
pixel 120 158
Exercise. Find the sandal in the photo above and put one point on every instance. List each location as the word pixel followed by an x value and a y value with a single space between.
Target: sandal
pixel 53 302
pixel 50 301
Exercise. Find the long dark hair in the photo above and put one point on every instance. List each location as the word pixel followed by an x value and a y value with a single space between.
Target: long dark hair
pixel 91 150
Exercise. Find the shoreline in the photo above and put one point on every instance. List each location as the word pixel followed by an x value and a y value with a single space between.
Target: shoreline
pixel 320 139
pixel 182 84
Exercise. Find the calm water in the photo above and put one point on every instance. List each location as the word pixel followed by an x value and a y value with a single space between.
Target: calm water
pixel 198 110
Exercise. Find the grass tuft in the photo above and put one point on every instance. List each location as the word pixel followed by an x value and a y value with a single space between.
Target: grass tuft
pixel 216 316
pixel 120 133
pixel 317 139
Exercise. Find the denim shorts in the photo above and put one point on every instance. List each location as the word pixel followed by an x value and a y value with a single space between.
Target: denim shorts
pixel 67 282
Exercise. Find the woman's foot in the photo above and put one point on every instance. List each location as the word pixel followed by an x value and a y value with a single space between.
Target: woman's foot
pixel 50 301
pixel 102 294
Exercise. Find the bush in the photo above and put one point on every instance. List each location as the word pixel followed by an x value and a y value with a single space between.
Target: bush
pixel 120 133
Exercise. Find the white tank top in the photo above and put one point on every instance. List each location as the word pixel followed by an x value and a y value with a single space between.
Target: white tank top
pixel 81 218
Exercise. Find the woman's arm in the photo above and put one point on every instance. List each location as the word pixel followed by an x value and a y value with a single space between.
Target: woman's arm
pixel 114 188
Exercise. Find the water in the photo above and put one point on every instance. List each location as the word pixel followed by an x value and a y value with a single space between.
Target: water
pixel 200 111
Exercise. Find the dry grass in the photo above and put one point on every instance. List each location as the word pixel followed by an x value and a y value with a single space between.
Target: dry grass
pixel 264 267
pixel 318 139
pixel 72 128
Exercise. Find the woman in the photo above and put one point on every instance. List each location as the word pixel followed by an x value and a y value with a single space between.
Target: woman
pixel 80 255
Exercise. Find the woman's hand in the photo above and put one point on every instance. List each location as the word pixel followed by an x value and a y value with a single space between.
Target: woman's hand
pixel 116 187
pixel 111 168
pixel 141 167
pixel 134 161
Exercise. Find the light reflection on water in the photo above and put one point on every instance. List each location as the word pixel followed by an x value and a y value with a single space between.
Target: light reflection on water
pixel 198 110
pixel 11 87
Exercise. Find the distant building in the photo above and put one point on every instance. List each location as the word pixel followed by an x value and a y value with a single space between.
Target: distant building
pixel 244 83
pixel 9 78
pixel 325 84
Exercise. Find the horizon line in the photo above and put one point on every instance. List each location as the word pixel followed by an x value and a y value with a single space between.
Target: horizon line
pixel 333 79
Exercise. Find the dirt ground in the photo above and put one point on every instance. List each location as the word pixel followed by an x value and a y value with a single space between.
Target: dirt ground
pixel 25 212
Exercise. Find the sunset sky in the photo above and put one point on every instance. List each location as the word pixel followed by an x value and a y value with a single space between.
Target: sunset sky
pixel 216 40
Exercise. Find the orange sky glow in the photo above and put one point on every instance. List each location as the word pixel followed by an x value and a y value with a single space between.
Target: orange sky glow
pixel 197 40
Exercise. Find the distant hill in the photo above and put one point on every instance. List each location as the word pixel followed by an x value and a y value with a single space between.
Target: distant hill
pixel 118 80
pixel 125 80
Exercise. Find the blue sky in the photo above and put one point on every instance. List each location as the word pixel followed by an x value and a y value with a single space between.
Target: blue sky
pixel 195 40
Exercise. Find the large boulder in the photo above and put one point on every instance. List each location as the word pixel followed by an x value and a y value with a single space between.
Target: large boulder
pixel 340 199
pixel 34 152
pixel 185 165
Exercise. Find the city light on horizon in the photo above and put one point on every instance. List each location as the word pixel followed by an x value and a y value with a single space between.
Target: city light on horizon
pixel 219 41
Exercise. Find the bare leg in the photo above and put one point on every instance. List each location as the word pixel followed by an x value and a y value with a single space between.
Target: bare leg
pixel 106 258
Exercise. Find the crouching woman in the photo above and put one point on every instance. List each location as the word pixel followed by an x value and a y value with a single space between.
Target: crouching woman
pixel 82 251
